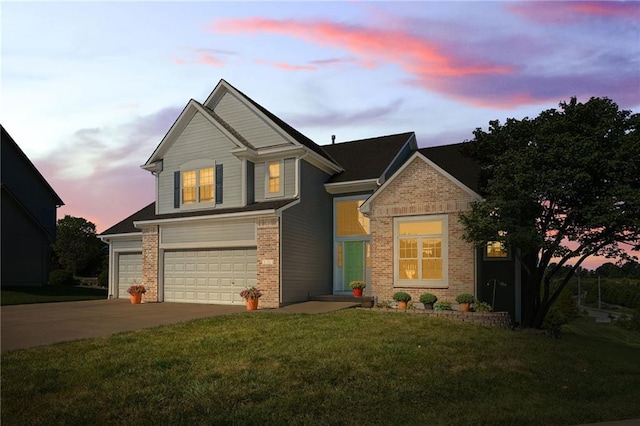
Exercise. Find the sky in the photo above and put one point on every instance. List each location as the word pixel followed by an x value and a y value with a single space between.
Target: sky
pixel 89 89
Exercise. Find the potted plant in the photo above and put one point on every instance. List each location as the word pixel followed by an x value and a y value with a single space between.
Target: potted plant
pixel 357 287
pixel 402 298
pixel 428 299
pixel 465 300
pixel 442 305
pixel 251 296
pixel 136 291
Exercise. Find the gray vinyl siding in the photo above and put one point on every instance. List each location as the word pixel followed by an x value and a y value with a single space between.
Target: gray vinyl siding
pixel 201 140
pixel 253 128
pixel 128 245
pixel 260 180
pixel 204 233
pixel 307 240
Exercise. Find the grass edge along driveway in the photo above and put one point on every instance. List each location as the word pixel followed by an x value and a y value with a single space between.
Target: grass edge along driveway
pixel 347 367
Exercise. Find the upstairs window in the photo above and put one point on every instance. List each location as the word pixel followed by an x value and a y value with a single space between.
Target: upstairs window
pixel 197 186
pixel 273 178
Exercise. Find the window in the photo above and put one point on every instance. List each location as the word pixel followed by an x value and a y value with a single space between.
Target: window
pixel 273 178
pixel 421 250
pixel 496 250
pixel 349 220
pixel 197 186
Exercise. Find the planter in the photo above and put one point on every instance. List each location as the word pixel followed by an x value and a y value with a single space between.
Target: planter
pixel 252 304
pixel 136 299
pixel 357 292
pixel 465 307
pixel 428 306
pixel 402 305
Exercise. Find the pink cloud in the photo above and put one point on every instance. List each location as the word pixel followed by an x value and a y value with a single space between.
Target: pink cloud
pixel 412 53
pixel 571 11
pixel 286 66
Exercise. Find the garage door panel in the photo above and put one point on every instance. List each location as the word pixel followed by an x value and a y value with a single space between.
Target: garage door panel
pixel 129 271
pixel 209 276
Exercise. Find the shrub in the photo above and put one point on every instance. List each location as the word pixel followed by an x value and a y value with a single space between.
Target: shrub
pixel 481 307
pixel 465 298
pixel 442 305
pixel 632 324
pixel 553 322
pixel 428 298
pixel 103 279
pixel 61 277
pixel 401 296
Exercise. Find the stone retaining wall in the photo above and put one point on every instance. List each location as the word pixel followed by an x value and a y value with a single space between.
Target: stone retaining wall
pixel 489 319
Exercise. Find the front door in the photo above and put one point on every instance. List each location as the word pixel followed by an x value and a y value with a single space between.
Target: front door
pixel 353 263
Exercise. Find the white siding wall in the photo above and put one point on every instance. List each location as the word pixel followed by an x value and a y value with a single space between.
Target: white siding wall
pixel 249 125
pixel 201 140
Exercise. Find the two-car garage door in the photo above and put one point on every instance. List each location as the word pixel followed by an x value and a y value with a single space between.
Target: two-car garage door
pixel 209 276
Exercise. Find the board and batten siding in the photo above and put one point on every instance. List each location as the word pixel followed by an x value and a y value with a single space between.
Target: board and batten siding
pixel 307 238
pixel 252 127
pixel 208 234
pixel 201 140
pixel 260 180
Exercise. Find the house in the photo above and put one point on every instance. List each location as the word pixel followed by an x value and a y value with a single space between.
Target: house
pixel 28 221
pixel 244 199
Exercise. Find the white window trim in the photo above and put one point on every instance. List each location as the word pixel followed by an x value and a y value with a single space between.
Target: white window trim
pixel 280 193
pixel 421 283
pixel 196 166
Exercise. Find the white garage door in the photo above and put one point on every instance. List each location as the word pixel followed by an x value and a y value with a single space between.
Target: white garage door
pixel 129 270
pixel 209 276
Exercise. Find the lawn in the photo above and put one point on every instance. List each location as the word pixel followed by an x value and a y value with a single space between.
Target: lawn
pixel 49 293
pixel 351 367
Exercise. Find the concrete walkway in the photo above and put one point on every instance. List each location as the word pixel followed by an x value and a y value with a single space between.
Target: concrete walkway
pixel 27 326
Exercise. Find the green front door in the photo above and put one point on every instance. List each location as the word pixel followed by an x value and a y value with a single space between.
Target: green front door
pixel 353 263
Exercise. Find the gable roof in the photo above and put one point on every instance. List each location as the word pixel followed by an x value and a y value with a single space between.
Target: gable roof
pixel 366 158
pixel 7 141
pixel 452 159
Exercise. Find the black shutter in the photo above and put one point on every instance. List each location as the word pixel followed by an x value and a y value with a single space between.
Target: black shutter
pixel 176 190
pixel 218 183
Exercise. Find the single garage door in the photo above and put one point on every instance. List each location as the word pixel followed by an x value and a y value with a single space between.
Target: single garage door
pixel 209 276
pixel 129 271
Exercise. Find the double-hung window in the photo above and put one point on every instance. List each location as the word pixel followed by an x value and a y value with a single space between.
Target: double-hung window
pixel 273 178
pixel 421 251
pixel 198 186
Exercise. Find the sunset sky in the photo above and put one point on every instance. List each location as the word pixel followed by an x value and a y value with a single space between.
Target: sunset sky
pixel 89 89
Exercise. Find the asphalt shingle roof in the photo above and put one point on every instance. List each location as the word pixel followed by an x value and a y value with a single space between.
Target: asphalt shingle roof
pixel 452 159
pixel 125 226
pixel 365 158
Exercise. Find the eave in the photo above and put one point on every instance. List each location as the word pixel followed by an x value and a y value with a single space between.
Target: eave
pixel 352 186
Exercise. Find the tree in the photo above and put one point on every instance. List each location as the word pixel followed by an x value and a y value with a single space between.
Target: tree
pixel 77 247
pixel 563 186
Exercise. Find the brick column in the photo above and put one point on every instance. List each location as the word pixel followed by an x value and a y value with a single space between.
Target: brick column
pixel 269 261
pixel 150 263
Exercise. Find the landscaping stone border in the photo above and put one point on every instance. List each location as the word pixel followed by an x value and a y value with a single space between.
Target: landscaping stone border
pixel 488 319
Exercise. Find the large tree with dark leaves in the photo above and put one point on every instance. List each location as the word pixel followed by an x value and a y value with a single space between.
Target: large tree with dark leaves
pixel 77 247
pixel 562 186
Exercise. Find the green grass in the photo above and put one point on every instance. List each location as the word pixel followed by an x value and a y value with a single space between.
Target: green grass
pixel 605 332
pixel 351 367
pixel 49 293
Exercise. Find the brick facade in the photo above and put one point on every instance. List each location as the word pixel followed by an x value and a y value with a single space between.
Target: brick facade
pixel 420 189
pixel 150 263
pixel 268 236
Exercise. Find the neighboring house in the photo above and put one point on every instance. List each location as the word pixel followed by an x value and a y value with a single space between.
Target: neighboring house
pixel 244 199
pixel 28 221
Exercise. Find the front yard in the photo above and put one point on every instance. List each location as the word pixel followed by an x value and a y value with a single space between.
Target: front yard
pixel 49 294
pixel 349 367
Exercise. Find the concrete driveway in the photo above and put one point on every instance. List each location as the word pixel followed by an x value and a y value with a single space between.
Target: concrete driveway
pixel 26 326
pixel 40 324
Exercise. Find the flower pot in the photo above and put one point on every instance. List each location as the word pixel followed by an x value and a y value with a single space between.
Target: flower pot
pixel 252 304
pixel 402 305
pixel 357 292
pixel 428 306
pixel 136 299
pixel 465 307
